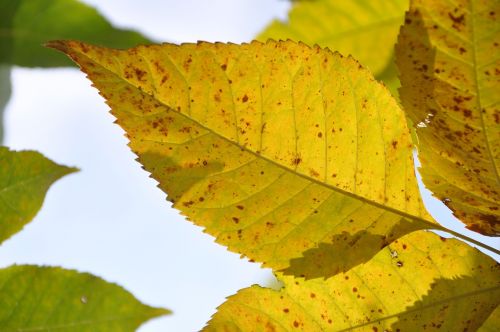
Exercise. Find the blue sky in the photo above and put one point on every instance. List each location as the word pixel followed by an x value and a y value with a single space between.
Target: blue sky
pixel 111 219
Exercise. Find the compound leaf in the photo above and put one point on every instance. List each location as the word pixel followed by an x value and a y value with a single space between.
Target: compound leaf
pixel 448 56
pixel 25 177
pixel 53 299
pixel 366 29
pixel 417 283
pixel 293 156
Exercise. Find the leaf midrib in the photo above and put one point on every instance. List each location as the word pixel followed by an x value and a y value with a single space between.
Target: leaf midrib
pixel 430 224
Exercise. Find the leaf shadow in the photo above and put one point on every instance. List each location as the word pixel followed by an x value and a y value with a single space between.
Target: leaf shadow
pixel 344 252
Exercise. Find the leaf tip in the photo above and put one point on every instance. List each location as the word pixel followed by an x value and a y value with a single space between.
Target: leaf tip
pixel 60 45
pixel 156 312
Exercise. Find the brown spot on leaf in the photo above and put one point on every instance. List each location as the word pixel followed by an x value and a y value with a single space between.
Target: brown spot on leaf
pixel 313 172
pixel 457 19
pixel 139 73
pixel 244 99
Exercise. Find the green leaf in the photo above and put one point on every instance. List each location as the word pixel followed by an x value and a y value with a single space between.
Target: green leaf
pixel 26 24
pixel 259 144
pixel 366 29
pixel 53 299
pixel 449 59
pixel 418 283
pixel 25 177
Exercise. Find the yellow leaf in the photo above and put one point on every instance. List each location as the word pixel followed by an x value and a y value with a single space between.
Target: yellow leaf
pixel 448 55
pixel 366 29
pixel 418 283
pixel 293 156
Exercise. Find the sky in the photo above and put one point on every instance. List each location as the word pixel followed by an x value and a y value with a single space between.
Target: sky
pixel 110 219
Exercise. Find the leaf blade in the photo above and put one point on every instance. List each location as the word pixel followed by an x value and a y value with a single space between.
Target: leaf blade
pixel 401 287
pixel 25 178
pixel 246 182
pixel 38 298
pixel 350 27
pixel 448 92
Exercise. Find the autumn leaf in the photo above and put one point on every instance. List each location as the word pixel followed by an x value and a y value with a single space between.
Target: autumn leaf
pixel 366 29
pixel 418 283
pixel 48 299
pixel 261 144
pixel 25 177
pixel 449 62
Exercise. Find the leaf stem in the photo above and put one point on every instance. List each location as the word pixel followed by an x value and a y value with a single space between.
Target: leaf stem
pixel 465 238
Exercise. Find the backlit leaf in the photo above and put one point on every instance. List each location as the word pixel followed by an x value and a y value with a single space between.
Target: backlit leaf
pixel 26 24
pixel 25 177
pixel 293 156
pixel 449 58
pixel 34 298
pixel 418 283
pixel 366 29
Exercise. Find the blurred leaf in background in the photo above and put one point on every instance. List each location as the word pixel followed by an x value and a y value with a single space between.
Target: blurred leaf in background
pixel 39 298
pixel 25 177
pixel 25 25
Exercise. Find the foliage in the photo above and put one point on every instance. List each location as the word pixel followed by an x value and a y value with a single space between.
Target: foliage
pixel 298 158
pixel 24 180
pixel 386 294
pixel 356 27
pixel 46 298
pixel 34 297
pixel 239 149
pixel 38 298
pixel 450 65
pixel 26 24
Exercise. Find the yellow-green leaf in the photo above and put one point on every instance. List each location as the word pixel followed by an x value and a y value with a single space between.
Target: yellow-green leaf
pixel 293 156
pixel 34 298
pixel 418 283
pixel 366 29
pixel 449 59
pixel 25 177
